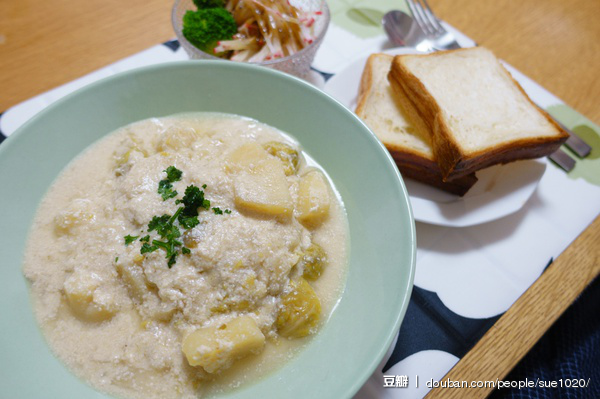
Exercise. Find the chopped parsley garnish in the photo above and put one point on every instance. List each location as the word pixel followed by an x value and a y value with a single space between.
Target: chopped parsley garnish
pixel 165 187
pixel 193 199
pixel 186 215
pixel 146 248
pixel 188 222
pixel 160 224
pixel 164 226
pixel 173 174
pixel 169 233
pixel 129 239
pixel 170 247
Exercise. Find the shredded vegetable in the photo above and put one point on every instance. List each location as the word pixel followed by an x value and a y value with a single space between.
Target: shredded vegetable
pixel 266 30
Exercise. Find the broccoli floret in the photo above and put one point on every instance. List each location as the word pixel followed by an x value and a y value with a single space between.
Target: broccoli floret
pixel 209 4
pixel 205 27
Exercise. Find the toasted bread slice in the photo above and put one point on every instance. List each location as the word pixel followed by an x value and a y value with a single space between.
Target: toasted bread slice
pixel 477 113
pixel 380 108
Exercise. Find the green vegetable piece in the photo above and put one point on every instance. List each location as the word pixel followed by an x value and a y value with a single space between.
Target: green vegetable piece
pixel 172 260
pixel 193 199
pixel 300 312
pixel 209 4
pixel 206 27
pixel 165 189
pixel 129 239
pixel 188 222
pixel 146 248
pixel 173 174
pixel 159 223
pixel 288 155
pixel 219 211
pixel 164 225
pixel 313 262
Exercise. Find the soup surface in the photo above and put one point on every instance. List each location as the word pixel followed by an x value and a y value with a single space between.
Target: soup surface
pixel 187 255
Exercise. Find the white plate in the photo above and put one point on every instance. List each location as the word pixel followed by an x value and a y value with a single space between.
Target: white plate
pixel 500 191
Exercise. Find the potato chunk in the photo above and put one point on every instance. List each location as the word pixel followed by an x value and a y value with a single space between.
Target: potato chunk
pixel 66 222
pixel 247 156
pixel 259 182
pixel 77 215
pixel 313 262
pixel 134 278
pixel 301 311
pixel 264 190
pixel 313 198
pixel 177 138
pixel 215 348
pixel 86 297
pixel 286 154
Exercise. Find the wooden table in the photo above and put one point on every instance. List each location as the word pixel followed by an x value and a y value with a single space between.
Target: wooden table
pixel 554 42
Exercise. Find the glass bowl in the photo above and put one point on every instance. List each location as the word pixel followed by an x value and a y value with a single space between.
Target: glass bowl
pixel 297 64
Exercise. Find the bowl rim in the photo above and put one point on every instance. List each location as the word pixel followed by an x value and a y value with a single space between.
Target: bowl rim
pixel 316 42
pixel 366 370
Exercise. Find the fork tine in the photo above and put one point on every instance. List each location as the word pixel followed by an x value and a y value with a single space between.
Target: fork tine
pixel 419 16
pixel 435 22
pixel 437 36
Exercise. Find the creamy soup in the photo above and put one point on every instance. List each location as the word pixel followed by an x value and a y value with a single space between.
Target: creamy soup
pixel 187 255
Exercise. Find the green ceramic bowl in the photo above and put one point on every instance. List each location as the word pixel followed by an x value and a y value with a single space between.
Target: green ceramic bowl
pixel 382 249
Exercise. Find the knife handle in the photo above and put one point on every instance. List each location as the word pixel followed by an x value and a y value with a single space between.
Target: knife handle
pixel 574 142
pixel 563 160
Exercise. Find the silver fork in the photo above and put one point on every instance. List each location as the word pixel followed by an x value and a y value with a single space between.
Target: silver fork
pixel 437 35
pixel 440 39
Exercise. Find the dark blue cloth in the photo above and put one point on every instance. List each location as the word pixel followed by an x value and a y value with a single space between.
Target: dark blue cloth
pixel 569 351
pixel 429 324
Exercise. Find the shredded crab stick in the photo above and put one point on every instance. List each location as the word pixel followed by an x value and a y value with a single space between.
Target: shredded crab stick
pixel 267 30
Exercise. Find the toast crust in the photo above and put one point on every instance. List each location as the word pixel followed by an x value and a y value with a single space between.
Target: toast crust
pixel 411 162
pixel 366 85
pixel 453 161
pixel 458 186
pixel 427 113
